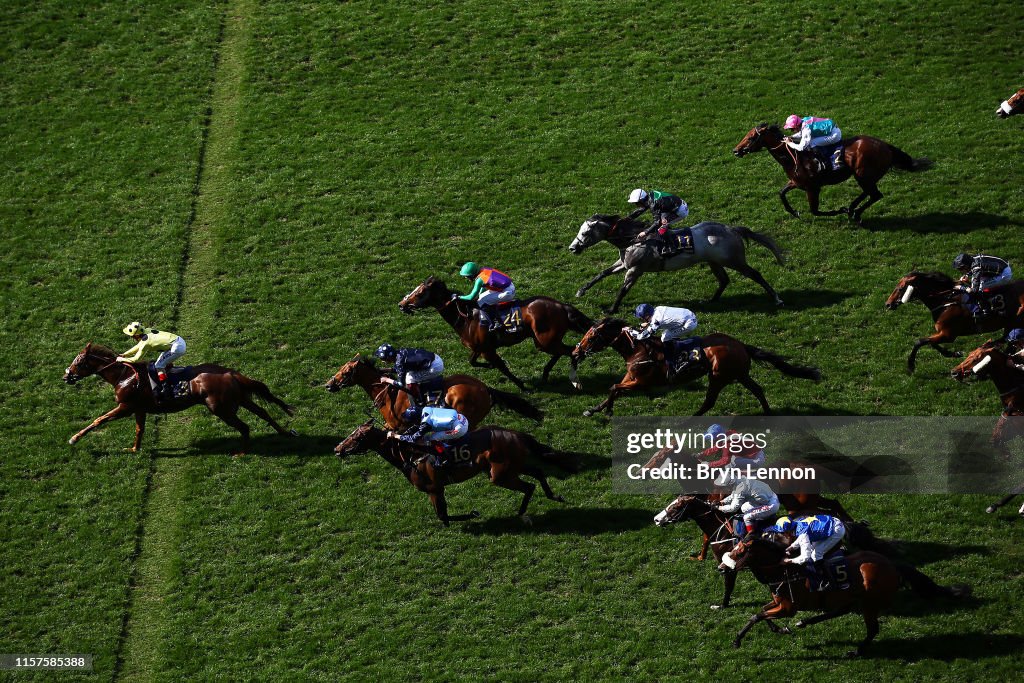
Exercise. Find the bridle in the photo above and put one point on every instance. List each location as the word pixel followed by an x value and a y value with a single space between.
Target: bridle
pixel 74 376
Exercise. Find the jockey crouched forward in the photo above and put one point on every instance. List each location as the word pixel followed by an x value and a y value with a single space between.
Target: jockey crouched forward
pixel 417 370
pixel 170 346
pixel 979 273
pixel 816 535
pixel 753 499
pixel 434 427
pixel 675 326
pixel 491 288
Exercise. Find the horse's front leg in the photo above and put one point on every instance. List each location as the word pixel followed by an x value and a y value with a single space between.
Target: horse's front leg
pixel 119 411
pixel 632 275
pixel 616 267
pixel 498 362
pixel 140 429
pixel 813 200
pixel 441 508
pixel 785 202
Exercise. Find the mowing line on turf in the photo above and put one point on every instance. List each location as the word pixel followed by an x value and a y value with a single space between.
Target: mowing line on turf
pixel 160 522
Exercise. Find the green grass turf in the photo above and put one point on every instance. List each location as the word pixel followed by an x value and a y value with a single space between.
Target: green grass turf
pixel 373 147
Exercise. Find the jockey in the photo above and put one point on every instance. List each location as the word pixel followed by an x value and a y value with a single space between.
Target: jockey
pixel 813 132
pixel 435 427
pixel 1015 348
pixel 722 456
pixel 754 499
pixel 170 345
pixel 413 367
pixel 815 536
pixel 490 287
pixel 979 273
pixel 672 323
pixel 665 208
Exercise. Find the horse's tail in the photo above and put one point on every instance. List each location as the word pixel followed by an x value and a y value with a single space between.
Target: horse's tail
pixel 801 371
pixel 564 461
pixel 905 162
pixel 764 240
pixel 578 321
pixel 860 535
pixel 927 588
pixel 257 387
pixel 504 399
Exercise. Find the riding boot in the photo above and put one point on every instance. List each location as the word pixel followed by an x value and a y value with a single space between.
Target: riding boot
pixel 493 318
pixel 163 387
pixel 414 393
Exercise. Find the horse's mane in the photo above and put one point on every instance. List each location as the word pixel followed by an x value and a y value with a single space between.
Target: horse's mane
pixel 764 125
pixel 605 217
pixel 609 320
pixel 934 275
pixel 101 350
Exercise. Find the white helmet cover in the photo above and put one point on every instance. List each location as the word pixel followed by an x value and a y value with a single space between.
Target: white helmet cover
pixel 637 195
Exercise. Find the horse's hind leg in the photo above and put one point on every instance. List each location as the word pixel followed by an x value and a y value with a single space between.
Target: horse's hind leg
pixel 229 414
pixel 814 198
pixel 722 277
pixel 632 275
pixel 825 616
pixel 538 474
pixel 516 484
pixel 871 188
pixel 257 410
pixel 871 623
pixel 498 362
pixel 755 275
pixel 715 387
pixel 758 392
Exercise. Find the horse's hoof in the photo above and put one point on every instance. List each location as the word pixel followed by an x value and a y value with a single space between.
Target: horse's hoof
pixel 800 624
pixel 852 654
pixel 131 450
pixel 578 386
pixel 474 514
pixel 785 631
pixel 580 293
pixel 717 607
pixel 526 520
pixel 958 354
pixel 238 454
pixel 736 644
pixel 71 441
pixel 780 303
pixel 586 413
pixel 990 509
pixel 558 499
pixel 292 432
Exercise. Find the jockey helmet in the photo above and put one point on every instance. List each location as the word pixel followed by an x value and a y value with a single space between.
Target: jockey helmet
pixel 134 328
pixel 784 523
pixel 1016 335
pixel 644 311
pixel 637 196
pixel 412 414
pixel 714 430
pixel 963 262
pixel 385 352
pixel 793 122
pixel 469 269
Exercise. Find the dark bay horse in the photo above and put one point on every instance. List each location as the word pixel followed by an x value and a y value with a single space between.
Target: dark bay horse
pixel 807 501
pixel 874 582
pixel 1012 106
pixel 468 395
pixel 720 246
pixel 545 321
pixel 222 390
pixel 952 319
pixel 500 453
pixel 865 158
pixel 729 361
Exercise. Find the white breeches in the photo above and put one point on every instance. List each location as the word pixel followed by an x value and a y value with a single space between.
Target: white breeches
pixel 825 140
pixel 489 298
pixel 451 435
pixel 176 351
pixel 753 513
pixel 436 369
pixel 1001 279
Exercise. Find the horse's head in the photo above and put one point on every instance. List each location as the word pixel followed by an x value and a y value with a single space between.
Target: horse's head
pixel 979 362
pixel 591 232
pixel 88 362
pixel 429 293
pixel 762 136
pixel 599 337
pixel 1012 106
pixel 915 284
pixel 679 509
pixel 358 441
pixel 756 551
pixel 348 374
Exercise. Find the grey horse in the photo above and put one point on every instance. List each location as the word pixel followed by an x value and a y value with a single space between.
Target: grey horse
pixel 720 246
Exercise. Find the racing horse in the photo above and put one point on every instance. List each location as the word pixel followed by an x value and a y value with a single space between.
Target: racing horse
pixel 874 582
pixel 865 158
pixel 468 395
pixel 544 320
pixel 222 390
pixel 989 362
pixel 938 293
pixel 1011 106
pixel 728 361
pixel 720 246
pixel 502 453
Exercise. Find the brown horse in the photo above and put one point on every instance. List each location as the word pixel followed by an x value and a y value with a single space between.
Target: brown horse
pixel 468 395
pixel 220 389
pixel 1012 106
pixel 544 320
pixel 874 581
pixel 501 453
pixel 952 319
pixel 989 362
pixel 729 361
pixel 865 158
pixel 804 502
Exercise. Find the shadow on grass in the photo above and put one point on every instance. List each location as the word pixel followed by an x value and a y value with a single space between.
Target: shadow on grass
pixel 925 552
pixel 565 520
pixel 941 222
pixel 795 300
pixel 268 445
pixel 947 647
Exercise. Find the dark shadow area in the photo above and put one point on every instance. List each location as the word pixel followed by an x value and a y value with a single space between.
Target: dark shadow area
pixel 920 553
pixel 969 646
pixel 593 384
pixel 795 300
pixel 809 410
pixel 588 462
pixel 941 222
pixel 272 445
pixel 566 520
